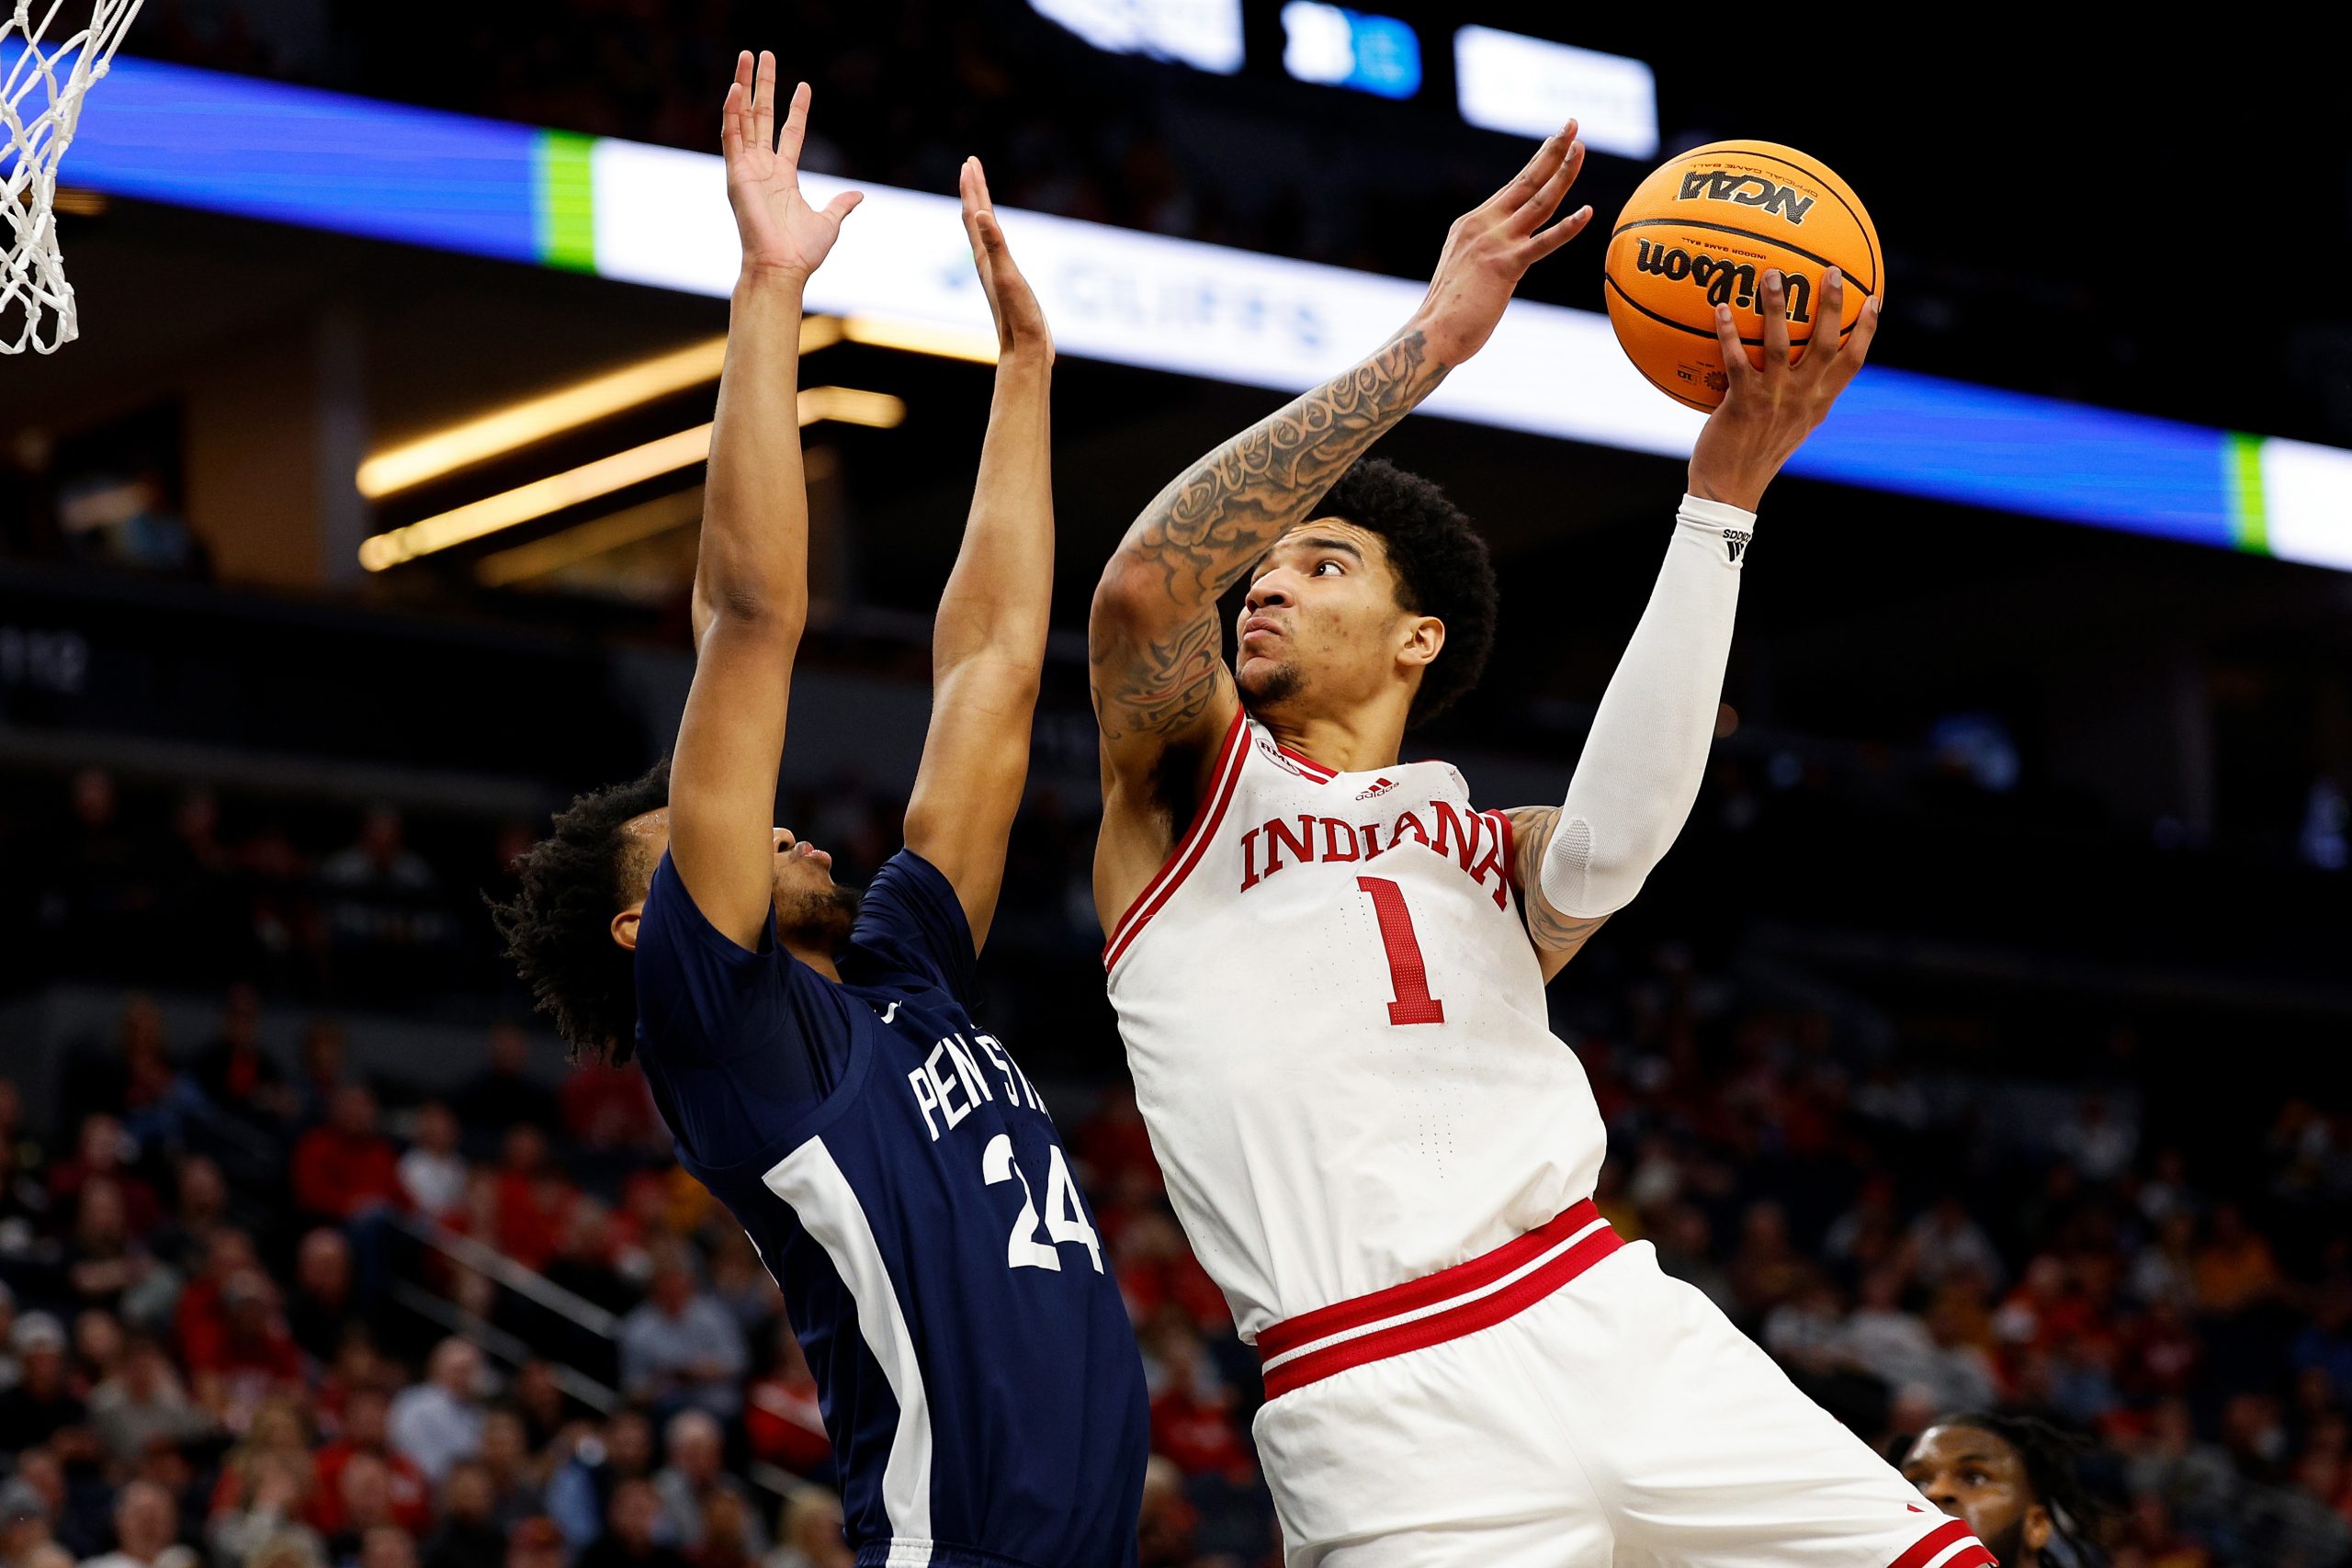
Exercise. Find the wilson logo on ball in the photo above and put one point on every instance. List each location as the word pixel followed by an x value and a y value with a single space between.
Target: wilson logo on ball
pixel 1725 282
pixel 1747 190
pixel 1698 237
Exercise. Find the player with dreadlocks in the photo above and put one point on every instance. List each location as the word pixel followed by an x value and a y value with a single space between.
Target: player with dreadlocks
pixel 2014 1480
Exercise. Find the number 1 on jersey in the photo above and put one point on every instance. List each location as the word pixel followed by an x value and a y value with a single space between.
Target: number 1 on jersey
pixel 1408 976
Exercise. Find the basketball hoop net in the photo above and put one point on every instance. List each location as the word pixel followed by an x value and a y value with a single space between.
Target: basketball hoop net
pixel 40 99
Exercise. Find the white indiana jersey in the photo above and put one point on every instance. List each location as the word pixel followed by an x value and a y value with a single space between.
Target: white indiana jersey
pixel 1336 1023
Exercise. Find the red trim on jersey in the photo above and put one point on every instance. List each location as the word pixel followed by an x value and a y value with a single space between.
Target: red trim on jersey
pixel 1973 1555
pixel 1444 1305
pixel 1277 1338
pixel 1315 770
pixel 1190 847
pixel 1941 1538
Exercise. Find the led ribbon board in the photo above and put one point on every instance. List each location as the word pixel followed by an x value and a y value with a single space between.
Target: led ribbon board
pixel 658 216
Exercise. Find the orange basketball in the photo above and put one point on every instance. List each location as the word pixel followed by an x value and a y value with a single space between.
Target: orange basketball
pixel 1703 229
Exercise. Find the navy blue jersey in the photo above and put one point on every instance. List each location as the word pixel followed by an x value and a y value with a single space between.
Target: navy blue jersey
pixel 900 1175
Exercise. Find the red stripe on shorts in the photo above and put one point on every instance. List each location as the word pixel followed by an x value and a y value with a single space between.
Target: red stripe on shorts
pixel 1446 1306
pixel 1940 1539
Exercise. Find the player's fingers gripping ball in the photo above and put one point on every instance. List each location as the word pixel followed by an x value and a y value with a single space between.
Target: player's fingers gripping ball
pixel 1703 229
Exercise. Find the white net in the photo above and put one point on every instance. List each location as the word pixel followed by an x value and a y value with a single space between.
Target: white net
pixel 41 84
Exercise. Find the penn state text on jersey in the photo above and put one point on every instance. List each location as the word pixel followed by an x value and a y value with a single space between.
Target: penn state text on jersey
pixel 903 1182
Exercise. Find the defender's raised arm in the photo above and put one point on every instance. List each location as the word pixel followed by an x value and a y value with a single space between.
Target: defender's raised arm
pixel 988 645
pixel 752 575
pixel 1162 694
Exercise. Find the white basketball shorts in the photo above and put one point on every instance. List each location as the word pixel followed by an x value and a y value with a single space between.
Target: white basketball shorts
pixel 1563 1403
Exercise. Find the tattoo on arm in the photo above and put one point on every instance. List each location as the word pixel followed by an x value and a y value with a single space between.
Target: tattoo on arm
pixel 1159 686
pixel 1202 531
pixel 1551 930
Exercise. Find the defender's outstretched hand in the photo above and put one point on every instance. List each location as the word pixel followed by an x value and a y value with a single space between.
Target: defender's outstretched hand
pixel 1766 414
pixel 1020 321
pixel 1491 246
pixel 781 231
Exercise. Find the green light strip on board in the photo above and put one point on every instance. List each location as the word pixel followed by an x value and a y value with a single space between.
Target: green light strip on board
pixel 2250 518
pixel 564 202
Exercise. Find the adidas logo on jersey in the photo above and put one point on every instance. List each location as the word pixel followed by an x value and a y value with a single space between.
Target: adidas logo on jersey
pixel 1379 786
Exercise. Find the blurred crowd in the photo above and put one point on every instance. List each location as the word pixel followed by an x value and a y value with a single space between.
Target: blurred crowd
pixel 168 883
pixel 270 1313
pixel 177 887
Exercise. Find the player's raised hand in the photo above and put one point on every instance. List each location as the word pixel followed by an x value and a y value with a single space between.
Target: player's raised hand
pixel 781 233
pixel 1020 326
pixel 1766 414
pixel 1491 246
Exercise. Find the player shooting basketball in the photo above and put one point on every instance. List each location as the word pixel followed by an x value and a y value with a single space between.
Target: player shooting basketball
pixel 1329 969
pixel 818 1060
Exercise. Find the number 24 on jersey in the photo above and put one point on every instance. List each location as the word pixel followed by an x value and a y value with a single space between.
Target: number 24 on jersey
pixel 1065 1220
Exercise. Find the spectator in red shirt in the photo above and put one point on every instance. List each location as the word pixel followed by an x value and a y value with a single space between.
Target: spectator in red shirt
pixel 2045 1310
pixel 201 1319
pixel 611 1108
pixel 1154 1268
pixel 1113 1142
pixel 364 1502
pixel 344 1165
pixel 363 1433
pixel 780 1415
pixel 534 1203
pixel 1191 1410
pixel 642 1226
pixel 2164 1352
pixel 256 1358
pixel 103 1152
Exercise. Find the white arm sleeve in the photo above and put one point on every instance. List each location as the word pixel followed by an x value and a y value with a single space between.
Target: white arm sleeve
pixel 1647 752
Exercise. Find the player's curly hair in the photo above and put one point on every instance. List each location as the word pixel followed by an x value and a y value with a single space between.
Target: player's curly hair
pixel 2053 1459
pixel 558 924
pixel 1441 570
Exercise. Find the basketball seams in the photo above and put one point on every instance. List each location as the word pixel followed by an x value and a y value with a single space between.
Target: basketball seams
pixel 1686 403
pixel 1830 182
pixel 1658 203
pixel 1728 229
pixel 1844 330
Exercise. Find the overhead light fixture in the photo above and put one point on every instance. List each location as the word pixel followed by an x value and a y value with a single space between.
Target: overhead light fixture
pixel 920 337
pixel 846 405
pixel 589 539
pixel 538 498
pixel 455 446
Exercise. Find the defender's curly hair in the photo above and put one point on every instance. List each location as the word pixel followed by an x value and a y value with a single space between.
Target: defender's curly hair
pixel 1441 570
pixel 2053 1458
pixel 558 926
